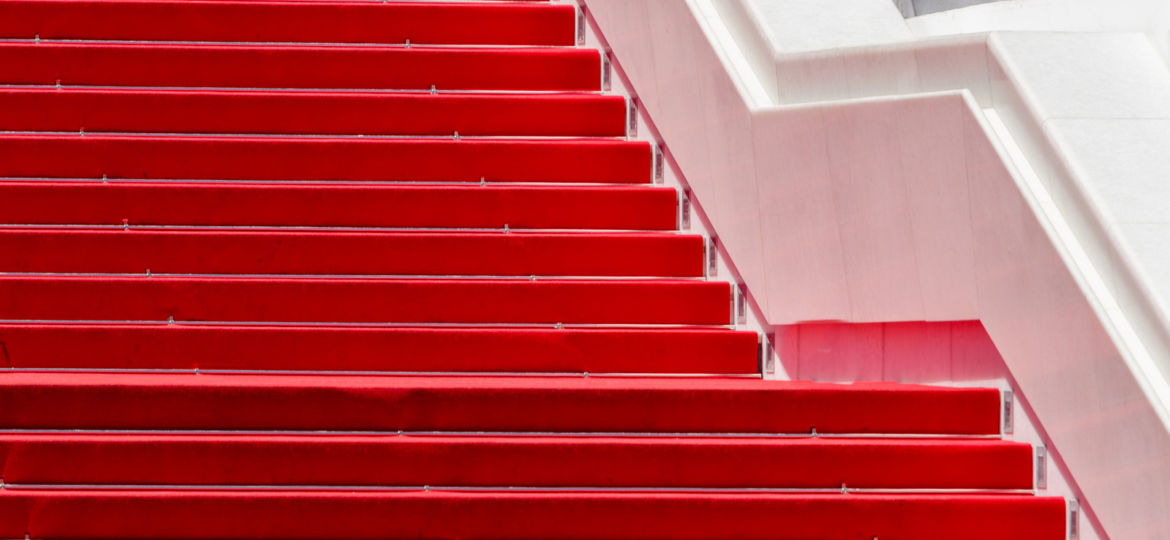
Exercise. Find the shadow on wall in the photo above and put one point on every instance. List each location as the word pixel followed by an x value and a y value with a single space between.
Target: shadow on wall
pixel 948 352
pixel 914 8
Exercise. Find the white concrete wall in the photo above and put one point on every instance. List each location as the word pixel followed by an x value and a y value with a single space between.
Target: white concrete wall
pixel 1148 17
pixel 930 179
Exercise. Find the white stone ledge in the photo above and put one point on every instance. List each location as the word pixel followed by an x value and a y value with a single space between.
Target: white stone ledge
pixel 864 184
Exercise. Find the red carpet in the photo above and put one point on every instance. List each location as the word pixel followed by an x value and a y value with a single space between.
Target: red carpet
pixel 301 158
pixel 339 205
pixel 251 20
pixel 322 348
pixel 311 113
pixel 372 460
pixel 261 281
pixel 500 403
pixel 300 66
pixel 401 253
pixel 525 515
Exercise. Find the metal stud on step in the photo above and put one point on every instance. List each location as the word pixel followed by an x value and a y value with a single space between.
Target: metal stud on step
pixel 631 117
pixel 1041 467
pixel 712 257
pixel 606 70
pixel 434 90
pixel 1008 422
pixel 580 26
pixel 684 211
pixel 407 43
pixel 659 164
pixel 767 359
pixel 740 304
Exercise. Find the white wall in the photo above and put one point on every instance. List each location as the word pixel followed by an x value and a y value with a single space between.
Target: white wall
pixel 1148 17
pixel 886 193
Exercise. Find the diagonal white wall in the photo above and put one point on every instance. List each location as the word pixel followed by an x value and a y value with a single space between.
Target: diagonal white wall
pixel 920 180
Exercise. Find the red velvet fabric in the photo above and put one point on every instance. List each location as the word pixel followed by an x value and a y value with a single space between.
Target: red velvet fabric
pixel 532 461
pixel 318 348
pixel 525 515
pixel 308 158
pixel 300 66
pixel 311 113
pixel 321 22
pixel 369 300
pixel 370 253
pixel 339 205
pixel 30 400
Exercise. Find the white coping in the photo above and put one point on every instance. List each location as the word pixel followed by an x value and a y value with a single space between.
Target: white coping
pixel 1012 178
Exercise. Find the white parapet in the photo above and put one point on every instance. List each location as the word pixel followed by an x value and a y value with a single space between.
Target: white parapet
pixel 860 167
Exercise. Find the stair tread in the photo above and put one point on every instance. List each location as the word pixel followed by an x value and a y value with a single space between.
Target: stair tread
pixel 323 158
pixel 498 403
pixel 360 514
pixel 595 350
pixel 319 21
pixel 76 250
pixel 310 112
pixel 300 66
pixel 338 204
pixel 357 300
pixel 535 461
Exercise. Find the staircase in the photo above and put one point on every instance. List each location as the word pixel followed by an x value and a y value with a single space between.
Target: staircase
pixel 362 269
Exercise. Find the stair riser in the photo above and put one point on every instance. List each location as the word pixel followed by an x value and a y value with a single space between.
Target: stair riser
pixel 253 66
pixel 311 113
pixel 486 254
pixel 523 515
pixel 321 22
pixel 365 300
pixel 542 207
pixel 534 462
pixel 240 158
pixel 380 349
pixel 593 404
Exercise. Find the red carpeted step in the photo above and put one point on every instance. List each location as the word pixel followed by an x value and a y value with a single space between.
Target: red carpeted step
pixel 331 158
pixel 47 513
pixel 485 461
pixel 354 253
pixel 203 401
pixel 321 22
pixel 338 205
pixel 612 350
pixel 327 113
pixel 299 66
pixel 146 298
